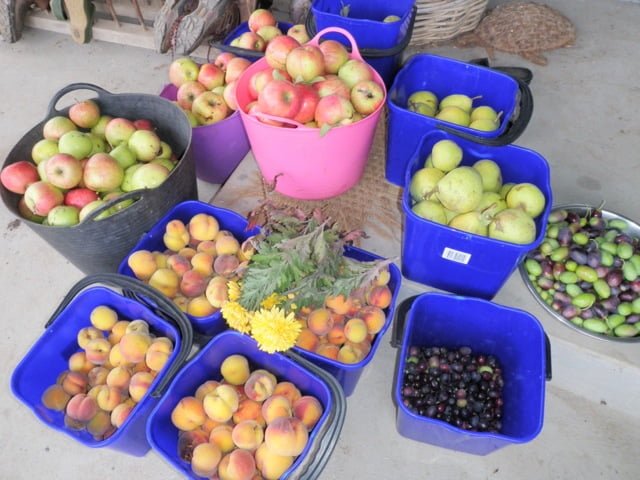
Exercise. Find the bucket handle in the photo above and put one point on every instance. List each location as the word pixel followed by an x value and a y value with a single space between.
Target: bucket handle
pixel 355 52
pixel 275 118
pixel 164 308
pixel 51 109
pixel 398 332
pixel 136 195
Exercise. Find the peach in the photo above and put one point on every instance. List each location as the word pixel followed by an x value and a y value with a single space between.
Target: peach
pixel 308 410
pixel 307 340
pixel 142 367
pixel 286 436
pixel 78 363
pixel 82 407
pixel 55 398
pixel 103 317
pixel 108 398
pixel 143 263
pixel 271 466
pixel 203 226
pixel 206 387
pixel 217 292
pixel 134 346
pixel 188 414
pixel 161 259
pixel 221 404
pixel 226 265
pixel 176 235
pixel 139 385
pixel 99 425
pixel 94 391
pixel 117 331
pixel 226 243
pixel 276 406
pixel 288 390
pixel 207 246
pixel 374 317
pixel 338 319
pixel 158 353
pixel 221 437
pixel 86 334
pixel 200 307
pixel 193 283
pixel 247 435
pixel 237 465
pixel 166 281
pixel 355 330
pixel 336 335
pixel 73 382
pixel 350 354
pixel 120 414
pixel 97 376
pixel 179 264
pixel 73 424
pixel 328 350
pixel 115 357
pixel 319 321
pixel 188 253
pixel 364 346
pixel 97 351
pixel 338 304
pixel 139 326
pixel 379 296
pixel 188 441
pixel 235 369
pixel 119 378
pixel 260 385
pixel 208 425
pixel 202 263
pixel 205 459
pixel 249 410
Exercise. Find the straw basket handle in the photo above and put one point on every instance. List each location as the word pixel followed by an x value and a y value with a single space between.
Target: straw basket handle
pixel 355 52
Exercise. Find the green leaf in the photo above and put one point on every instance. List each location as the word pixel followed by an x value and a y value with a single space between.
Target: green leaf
pixel 277 75
pixel 344 11
pixel 324 129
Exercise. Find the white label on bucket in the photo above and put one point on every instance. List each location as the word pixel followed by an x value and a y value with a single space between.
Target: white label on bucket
pixel 456 255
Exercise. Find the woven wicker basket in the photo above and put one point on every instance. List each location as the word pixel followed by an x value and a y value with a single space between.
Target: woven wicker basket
pixel 440 20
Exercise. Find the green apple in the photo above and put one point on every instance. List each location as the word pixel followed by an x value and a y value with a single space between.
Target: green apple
pixel 99 144
pixel 43 150
pixel 90 207
pixel 165 150
pixel 123 155
pixel 63 216
pixel 98 128
pixel 77 144
pixel 165 162
pixel 145 144
pixel 149 175
pixel 126 185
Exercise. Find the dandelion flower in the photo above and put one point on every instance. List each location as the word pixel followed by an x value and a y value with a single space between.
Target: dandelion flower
pixel 234 290
pixel 271 301
pixel 236 316
pixel 274 329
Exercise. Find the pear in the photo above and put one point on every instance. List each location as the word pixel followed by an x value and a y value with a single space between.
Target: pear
pixel 430 210
pixel 471 222
pixel 484 125
pixel 527 197
pixel 490 173
pixel 423 109
pixel 423 97
pixel 453 115
pixel 484 112
pixel 490 204
pixel 423 183
pixel 429 161
pixel 460 190
pixel 463 102
pixel 446 155
pixel 513 225
pixel 504 191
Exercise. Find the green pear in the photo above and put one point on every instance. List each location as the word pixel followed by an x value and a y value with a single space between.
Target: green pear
pixel 513 225
pixel 460 190
pixel 490 173
pixel 428 162
pixel 425 97
pixel 490 204
pixel 423 109
pixel 423 183
pixel 453 115
pixel 430 210
pixel 504 191
pixel 484 112
pixel 446 155
pixel 527 197
pixel 463 102
pixel 484 125
pixel 471 222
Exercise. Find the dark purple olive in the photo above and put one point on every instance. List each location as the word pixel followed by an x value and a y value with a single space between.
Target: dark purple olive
pixel 584 285
pixel 634 318
pixel 617 262
pixel 562 297
pixel 623 238
pixel 570 311
pixel 557 305
pixel 545 283
pixel 587 314
pixel 602 271
pixel 578 255
pixel 615 291
pixel 573 217
pixel 600 311
pixel 635 285
pixel 538 257
pixel 624 286
pixel 547 269
pixel 614 278
pixel 564 236
pixel 558 268
pixel 627 296
pixel 593 259
pixel 596 213
pixel 610 304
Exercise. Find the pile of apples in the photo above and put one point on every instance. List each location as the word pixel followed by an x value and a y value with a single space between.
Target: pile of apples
pixel 85 160
pixel 263 27
pixel 456 108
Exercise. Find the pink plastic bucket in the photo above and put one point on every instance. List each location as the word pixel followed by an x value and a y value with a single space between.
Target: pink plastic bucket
pixel 302 163
pixel 216 149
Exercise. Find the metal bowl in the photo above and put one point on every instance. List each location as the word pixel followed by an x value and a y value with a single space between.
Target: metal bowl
pixel 634 230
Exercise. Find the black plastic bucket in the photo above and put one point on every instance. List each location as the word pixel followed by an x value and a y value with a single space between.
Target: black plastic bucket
pixel 96 246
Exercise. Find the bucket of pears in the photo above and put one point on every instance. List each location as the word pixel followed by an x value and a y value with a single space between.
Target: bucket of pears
pixel 90 179
pixel 478 103
pixel 472 212
pixel 103 362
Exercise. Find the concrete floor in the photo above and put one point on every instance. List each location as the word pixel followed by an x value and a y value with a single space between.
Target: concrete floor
pixel 586 123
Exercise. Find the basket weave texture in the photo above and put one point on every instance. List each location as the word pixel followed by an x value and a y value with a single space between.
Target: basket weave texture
pixel 441 20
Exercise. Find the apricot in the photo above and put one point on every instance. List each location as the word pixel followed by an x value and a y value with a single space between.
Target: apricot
pixel 115 357
pixel 276 406
pixel 260 385
pixel 205 459
pixel 328 350
pixel 226 265
pixel 82 407
pixel 188 441
pixel 78 363
pixel 103 317
pixel 188 253
pixel 307 340
pixel 120 414
pixel 209 425
pixel 117 331
pixel 286 436
pixel 179 264
pixel 193 283
pixel 176 235
pixel 247 434
pixel 119 377
pixel 221 437
pixel 134 346
pixel 364 346
pixel 379 296
pixel 142 263
pixel 235 369
pixel 338 319
pixel 166 281
pixel 188 414
pixel 161 259
pixel 139 326
pixel 93 392
pixel 207 246
pixel 221 403
pixel 237 465
pixel 55 398
pixel 374 317
pixel 270 465
pixel 206 387
pixel 355 330
pixel 200 307
pixel 349 354
pixel 249 410
pixel 203 226
pixel 319 321
pixel 336 335
pixel 97 376
pixel 86 334
pixel 139 385
pixel 202 263
pixel 226 243
pixel 99 425
pixel 158 353
pixel 142 367
pixel 308 410
pixel 108 398
pixel 73 382
pixel 288 390
pixel 217 292
pixel 338 304
pixel 97 351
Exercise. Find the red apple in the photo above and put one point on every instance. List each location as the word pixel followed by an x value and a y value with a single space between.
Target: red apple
pixel 252 41
pixel 259 18
pixel 63 171
pixel 280 98
pixel 57 126
pixel 354 71
pixel 85 114
pixel 183 70
pixel 102 173
pixel 305 63
pixel 367 96
pixel 278 49
pixel 188 92
pixel 254 109
pixel 330 85
pixel 259 79
pixel 18 176
pixel 211 76
pixel 79 197
pixel 209 108
pixel 143 124
pixel 269 32
pixel 299 32
pixel 145 145
pixel 229 95
pixel 40 197
pixel 235 67
pixel 335 55
pixel 332 109
pixel 118 131
pixel 309 102
pixel 222 60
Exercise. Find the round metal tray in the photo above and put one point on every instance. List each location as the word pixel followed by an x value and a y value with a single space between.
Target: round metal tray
pixel 634 230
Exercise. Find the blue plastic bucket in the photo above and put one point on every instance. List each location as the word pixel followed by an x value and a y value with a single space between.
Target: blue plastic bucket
pixel 349 374
pixel 228 220
pixel 49 357
pixel 163 435
pixel 445 76
pixel 457 261
pixel 513 336
pixel 251 55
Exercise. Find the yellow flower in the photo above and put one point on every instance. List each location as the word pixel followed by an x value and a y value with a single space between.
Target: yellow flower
pixel 274 330
pixel 271 301
pixel 236 316
pixel 233 290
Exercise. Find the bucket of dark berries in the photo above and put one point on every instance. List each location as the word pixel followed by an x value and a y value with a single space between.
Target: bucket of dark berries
pixel 471 373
